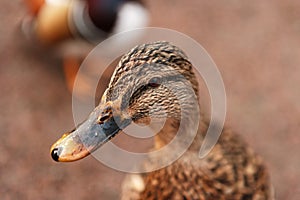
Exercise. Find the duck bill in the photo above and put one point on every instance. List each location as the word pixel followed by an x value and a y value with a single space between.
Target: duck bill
pixel 87 137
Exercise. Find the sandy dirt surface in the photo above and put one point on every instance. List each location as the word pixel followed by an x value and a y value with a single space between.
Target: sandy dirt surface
pixel 256 45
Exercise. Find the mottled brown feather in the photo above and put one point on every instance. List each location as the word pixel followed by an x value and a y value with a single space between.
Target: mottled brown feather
pixel 231 171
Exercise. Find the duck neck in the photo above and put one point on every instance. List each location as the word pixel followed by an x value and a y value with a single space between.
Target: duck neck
pixel 186 133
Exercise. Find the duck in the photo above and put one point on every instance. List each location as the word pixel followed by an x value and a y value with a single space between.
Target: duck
pixel 54 21
pixel 72 28
pixel 142 78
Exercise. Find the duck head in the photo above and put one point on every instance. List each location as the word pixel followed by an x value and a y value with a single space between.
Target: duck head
pixel 151 82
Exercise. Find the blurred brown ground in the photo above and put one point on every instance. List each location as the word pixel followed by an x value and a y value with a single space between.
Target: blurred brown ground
pixel 256 45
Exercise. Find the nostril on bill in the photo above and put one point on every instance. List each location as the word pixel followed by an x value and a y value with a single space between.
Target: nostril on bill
pixel 55 154
pixel 103 118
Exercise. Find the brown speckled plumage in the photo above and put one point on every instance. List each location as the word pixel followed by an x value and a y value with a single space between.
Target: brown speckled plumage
pixel 231 171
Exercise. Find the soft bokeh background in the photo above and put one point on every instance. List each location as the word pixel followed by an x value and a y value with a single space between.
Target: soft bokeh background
pixel 256 45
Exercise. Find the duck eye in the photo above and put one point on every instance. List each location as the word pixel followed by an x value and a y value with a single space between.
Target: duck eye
pixel 154 82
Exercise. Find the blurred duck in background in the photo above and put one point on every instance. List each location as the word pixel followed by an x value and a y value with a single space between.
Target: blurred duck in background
pixel 76 26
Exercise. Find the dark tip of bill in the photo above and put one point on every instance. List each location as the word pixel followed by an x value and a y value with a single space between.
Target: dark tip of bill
pixel 55 154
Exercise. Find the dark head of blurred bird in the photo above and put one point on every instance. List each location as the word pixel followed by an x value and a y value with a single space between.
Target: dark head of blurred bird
pixel 155 82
